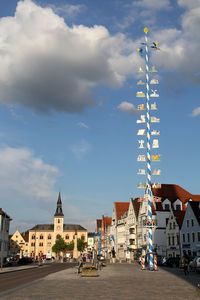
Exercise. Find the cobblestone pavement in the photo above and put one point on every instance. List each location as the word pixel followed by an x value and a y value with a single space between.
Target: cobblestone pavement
pixel 116 282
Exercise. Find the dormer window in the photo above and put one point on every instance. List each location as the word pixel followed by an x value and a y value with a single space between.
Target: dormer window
pixel 166 206
pixel 178 207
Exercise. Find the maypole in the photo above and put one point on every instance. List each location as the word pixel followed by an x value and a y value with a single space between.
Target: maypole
pixel 148 188
pixel 148 223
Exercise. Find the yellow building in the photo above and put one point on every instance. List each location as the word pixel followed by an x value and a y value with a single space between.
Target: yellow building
pixel 19 244
pixel 43 236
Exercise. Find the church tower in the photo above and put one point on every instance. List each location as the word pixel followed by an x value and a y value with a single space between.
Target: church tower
pixel 58 219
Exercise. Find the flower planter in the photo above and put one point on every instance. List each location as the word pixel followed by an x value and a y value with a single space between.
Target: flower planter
pixel 89 272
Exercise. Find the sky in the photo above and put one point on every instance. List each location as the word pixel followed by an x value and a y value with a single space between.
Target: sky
pixel 68 105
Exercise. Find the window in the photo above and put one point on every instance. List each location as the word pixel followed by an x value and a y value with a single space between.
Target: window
pixel 192 221
pixel 49 237
pixel 74 236
pixel 132 230
pixel 132 242
pixel 193 237
pixel 177 239
pixel 33 237
pixel 184 237
pixel 67 237
pixel 169 240
pixel 174 225
pixel 83 238
pixel 188 237
pixel 198 236
pixel 41 237
pixel 188 223
pixel 48 244
pixel 58 236
pixel 58 227
pixel 58 220
pixel 173 240
pixel 32 244
pixel 178 207
pixel 40 244
pixel 166 221
pixel 170 225
pixel 16 236
pixel 166 206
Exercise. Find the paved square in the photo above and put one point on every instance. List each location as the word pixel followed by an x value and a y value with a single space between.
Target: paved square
pixel 116 282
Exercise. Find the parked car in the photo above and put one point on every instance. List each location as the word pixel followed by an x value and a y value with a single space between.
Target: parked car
pixel 101 257
pixel 161 260
pixel 25 261
pixel 172 262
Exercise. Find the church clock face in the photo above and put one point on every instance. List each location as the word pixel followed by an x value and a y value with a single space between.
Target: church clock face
pixel 58 227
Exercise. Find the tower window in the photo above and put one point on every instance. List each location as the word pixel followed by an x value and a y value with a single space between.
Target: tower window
pixel 58 220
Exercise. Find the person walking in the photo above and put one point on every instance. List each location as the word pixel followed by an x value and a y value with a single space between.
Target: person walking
pixel 186 262
pixel 80 263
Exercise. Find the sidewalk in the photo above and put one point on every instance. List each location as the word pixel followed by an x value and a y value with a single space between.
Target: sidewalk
pixel 116 282
pixel 18 268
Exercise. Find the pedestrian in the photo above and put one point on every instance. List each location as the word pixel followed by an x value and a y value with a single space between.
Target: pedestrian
pixel 80 263
pixel 185 267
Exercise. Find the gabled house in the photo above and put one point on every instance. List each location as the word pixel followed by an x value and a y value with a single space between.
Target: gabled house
pixel 190 230
pixel 19 244
pixel 172 197
pixel 173 233
pixel 118 227
pixel 132 228
pixel 105 235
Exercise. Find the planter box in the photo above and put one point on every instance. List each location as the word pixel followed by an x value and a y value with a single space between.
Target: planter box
pixel 89 272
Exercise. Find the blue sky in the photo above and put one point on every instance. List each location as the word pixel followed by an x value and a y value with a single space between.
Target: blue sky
pixel 66 67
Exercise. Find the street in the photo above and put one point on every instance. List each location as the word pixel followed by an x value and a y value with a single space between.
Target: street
pixel 15 279
pixel 116 282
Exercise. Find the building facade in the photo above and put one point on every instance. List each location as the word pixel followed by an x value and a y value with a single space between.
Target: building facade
pixel 43 236
pixel 173 233
pixel 190 230
pixel 4 234
pixel 19 244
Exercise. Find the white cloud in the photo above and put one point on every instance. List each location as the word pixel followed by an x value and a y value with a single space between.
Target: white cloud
pixel 47 65
pixel 196 112
pixel 153 4
pixel 81 124
pixel 128 108
pixel 81 149
pixel 69 10
pixel 29 176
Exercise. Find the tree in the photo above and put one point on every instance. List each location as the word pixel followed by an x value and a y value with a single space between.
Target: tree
pixel 59 246
pixel 81 245
pixel 70 246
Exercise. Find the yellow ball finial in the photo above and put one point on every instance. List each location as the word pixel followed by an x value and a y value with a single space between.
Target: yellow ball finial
pixel 146 29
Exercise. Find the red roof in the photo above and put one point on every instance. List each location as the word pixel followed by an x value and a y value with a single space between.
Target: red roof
pixel 174 192
pixel 121 208
pixel 136 206
pixel 107 221
pixel 179 214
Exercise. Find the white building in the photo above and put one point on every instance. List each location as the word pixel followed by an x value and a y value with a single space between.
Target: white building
pixel 190 231
pixel 117 229
pixel 173 233
pixel 4 234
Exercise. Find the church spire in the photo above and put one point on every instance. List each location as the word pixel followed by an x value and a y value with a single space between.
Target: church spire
pixel 59 212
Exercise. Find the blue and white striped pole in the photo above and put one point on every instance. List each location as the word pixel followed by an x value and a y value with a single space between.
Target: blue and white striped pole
pixel 148 190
